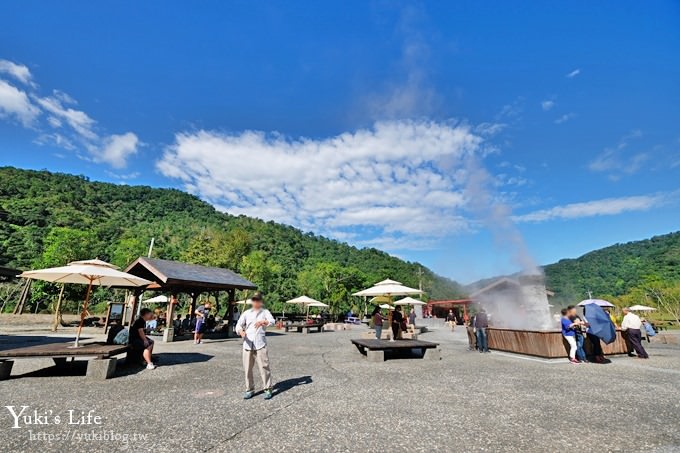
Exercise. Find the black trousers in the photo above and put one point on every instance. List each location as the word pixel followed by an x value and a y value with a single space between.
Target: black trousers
pixel 596 345
pixel 635 338
pixel 395 331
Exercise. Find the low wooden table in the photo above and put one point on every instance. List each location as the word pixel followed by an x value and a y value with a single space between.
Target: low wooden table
pixel 101 364
pixel 303 327
pixel 375 349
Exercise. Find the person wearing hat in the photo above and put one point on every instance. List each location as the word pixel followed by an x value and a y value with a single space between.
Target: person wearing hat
pixel 251 327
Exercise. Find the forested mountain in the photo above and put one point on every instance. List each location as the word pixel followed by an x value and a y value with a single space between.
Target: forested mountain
pixel 616 270
pixel 48 219
pixel 613 272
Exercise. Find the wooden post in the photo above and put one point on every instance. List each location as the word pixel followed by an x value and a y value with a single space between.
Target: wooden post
pixel 83 313
pixel 108 315
pixel 231 294
pixel 194 298
pixel 57 310
pixel 169 332
pixel 135 301
pixel 19 309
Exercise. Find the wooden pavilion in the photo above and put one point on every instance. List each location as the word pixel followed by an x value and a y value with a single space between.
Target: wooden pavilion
pixel 175 277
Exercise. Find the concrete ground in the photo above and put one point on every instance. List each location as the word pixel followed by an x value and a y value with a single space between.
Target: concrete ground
pixel 330 398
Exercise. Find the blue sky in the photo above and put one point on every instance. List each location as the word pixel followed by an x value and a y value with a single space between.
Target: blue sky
pixel 475 137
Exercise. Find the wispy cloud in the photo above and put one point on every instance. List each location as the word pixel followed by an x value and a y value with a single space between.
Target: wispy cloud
pixel 19 72
pixel 607 206
pixel 616 161
pixel 397 178
pixel 547 105
pixel 407 93
pixel 56 120
pixel 573 73
pixel 564 118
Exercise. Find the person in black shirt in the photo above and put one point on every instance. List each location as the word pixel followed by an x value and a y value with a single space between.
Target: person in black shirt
pixel 138 338
pixel 397 318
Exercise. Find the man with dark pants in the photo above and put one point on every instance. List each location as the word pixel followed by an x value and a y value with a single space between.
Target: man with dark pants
pixel 631 325
pixel 481 323
pixel 397 319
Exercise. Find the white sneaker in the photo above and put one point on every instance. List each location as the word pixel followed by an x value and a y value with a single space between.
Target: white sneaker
pixel 151 366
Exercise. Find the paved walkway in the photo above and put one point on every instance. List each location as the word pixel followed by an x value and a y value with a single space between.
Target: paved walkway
pixel 329 399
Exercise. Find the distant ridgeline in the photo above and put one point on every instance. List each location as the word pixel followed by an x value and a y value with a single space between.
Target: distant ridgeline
pixel 611 271
pixel 48 219
pixel 617 269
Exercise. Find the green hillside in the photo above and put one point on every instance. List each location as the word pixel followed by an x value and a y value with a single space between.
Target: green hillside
pixel 616 270
pixel 48 219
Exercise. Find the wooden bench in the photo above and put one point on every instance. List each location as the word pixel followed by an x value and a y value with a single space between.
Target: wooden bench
pixel 304 328
pixel 101 361
pixel 375 349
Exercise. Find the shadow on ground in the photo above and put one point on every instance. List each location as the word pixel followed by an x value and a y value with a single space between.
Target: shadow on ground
pixel 20 341
pixel 79 367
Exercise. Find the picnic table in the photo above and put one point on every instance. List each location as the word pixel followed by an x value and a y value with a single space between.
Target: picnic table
pixel 304 327
pixel 375 349
pixel 101 361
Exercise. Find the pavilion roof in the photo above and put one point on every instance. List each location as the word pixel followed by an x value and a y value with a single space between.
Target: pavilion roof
pixel 175 275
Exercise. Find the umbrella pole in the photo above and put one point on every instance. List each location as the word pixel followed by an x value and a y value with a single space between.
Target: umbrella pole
pixel 82 314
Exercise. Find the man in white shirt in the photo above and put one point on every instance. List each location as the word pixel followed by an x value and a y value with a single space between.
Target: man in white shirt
pixel 631 326
pixel 251 327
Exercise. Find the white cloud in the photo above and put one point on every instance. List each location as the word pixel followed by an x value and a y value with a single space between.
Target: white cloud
pixel 547 105
pixel 398 177
pixel 615 161
pixel 77 119
pixel 116 149
pixel 14 103
pixel 57 122
pixel 564 118
pixel 607 206
pixel 573 73
pixel 17 71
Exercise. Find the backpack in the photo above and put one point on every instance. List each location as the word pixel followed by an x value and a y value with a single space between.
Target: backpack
pixel 122 337
pixel 650 330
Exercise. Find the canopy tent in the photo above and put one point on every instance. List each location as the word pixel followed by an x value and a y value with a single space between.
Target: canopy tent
pixel 409 301
pixel 89 272
pixel 598 302
pixel 641 308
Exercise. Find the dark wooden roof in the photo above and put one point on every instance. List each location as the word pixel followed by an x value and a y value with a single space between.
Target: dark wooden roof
pixel 175 275
pixel 7 273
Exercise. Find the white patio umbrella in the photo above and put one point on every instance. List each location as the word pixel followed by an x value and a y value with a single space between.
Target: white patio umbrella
pixel 306 302
pixel 88 272
pixel 388 288
pixel 409 301
pixel 386 307
pixel 641 308
pixel 157 300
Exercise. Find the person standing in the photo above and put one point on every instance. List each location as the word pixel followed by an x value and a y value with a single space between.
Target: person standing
pixel 202 312
pixel 579 333
pixel 397 319
pixel 481 324
pixel 451 319
pixel 631 325
pixel 251 326
pixel 472 337
pixel 377 322
pixel 569 334
pixel 412 317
